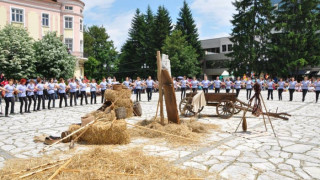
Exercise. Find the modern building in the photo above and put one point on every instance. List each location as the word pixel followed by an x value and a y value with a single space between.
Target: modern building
pixel 41 16
pixel 215 61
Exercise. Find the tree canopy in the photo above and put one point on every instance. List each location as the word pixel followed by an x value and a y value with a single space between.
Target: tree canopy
pixel 16 53
pixel 53 59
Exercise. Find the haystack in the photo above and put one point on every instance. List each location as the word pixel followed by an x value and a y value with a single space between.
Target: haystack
pixel 106 130
pixel 120 98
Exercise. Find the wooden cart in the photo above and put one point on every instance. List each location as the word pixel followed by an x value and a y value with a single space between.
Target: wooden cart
pixel 227 104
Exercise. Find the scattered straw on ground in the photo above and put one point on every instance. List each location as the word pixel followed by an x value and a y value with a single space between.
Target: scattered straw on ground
pixel 188 128
pixel 100 163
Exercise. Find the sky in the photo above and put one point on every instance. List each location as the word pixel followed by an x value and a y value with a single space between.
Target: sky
pixel 212 17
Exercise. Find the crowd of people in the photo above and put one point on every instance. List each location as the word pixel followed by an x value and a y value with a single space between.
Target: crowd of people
pixel 36 91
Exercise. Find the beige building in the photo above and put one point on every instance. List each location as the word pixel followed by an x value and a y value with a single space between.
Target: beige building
pixel 40 16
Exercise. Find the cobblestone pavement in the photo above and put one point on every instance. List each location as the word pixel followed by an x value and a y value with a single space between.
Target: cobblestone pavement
pixel 256 154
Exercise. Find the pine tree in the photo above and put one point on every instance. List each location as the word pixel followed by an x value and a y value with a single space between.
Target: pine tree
pixel 133 51
pixel 53 59
pixel 97 44
pixel 150 44
pixel 186 24
pixel 252 25
pixel 16 53
pixel 163 27
pixel 297 41
pixel 183 56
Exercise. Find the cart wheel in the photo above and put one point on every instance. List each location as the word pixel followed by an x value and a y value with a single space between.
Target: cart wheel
pixel 225 109
pixel 237 104
pixel 182 104
pixel 185 107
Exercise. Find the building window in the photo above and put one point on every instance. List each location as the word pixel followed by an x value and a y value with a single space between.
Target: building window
pixel 70 8
pixel 212 50
pixel 224 48
pixel 81 25
pixel 229 47
pixel 81 11
pixel 69 43
pixel 81 45
pixel 68 22
pixel 45 19
pixel 17 15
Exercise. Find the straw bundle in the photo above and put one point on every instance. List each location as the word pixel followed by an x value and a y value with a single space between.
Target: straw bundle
pixel 104 132
pixel 112 95
pixel 103 116
pixel 102 163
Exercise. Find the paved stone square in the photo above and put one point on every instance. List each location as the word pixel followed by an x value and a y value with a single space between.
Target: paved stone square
pixel 256 154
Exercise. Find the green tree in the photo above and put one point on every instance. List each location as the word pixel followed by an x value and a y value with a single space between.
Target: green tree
pixel 163 27
pixel 97 44
pixel 296 43
pixel 252 25
pixel 150 44
pixel 187 26
pixel 16 53
pixel 53 59
pixel 183 56
pixel 91 65
pixel 133 54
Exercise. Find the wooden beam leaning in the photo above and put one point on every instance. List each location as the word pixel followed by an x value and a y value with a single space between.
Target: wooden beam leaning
pixel 159 65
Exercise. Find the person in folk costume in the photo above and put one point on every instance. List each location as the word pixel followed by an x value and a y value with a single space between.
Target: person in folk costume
pixel 175 84
pixel 183 83
pixel 73 91
pixel 9 89
pixel 261 82
pixel 228 85
pixel 292 87
pixel 31 96
pixel 305 86
pixel 93 91
pixel 62 87
pixel 316 85
pixel 281 85
pixel 103 87
pixel 194 84
pixel 40 87
pixel 269 85
pixel 127 83
pixel 150 84
pixel 138 86
pixel 83 90
pixel 249 85
pixel 205 84
pixel 217 85
pixel 237 85
pixel 50 88
pixel 22 89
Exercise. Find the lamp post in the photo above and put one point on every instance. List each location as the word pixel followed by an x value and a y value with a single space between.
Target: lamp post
pixel 144 66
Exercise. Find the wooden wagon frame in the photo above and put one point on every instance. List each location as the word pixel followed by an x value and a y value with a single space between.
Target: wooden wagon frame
pixel 227 104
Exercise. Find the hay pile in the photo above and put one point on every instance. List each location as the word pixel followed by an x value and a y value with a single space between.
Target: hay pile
pixel 100 163
pixel 106 130
pixel 188 128
pixel 124 99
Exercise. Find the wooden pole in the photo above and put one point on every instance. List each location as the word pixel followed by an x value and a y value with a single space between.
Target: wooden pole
pixel 60 168
pixel 265 107
pixel 160 86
